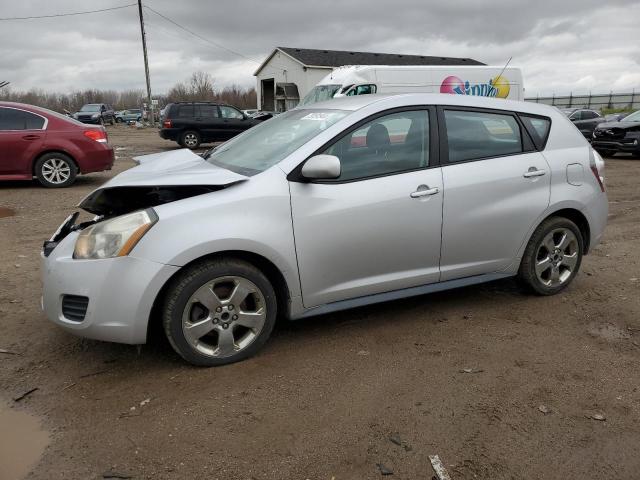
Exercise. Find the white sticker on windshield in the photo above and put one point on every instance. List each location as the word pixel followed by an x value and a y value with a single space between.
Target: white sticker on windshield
pixel 318 116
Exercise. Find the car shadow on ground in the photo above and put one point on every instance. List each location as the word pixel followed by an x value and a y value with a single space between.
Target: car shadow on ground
pixel 157 353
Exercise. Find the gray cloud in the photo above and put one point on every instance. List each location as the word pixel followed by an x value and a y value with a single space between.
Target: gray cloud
pixel 575 45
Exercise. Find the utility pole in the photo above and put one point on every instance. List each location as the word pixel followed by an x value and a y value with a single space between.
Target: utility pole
pixel 146 64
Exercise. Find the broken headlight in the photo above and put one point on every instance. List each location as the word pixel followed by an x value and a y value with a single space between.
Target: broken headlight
pixel 115 237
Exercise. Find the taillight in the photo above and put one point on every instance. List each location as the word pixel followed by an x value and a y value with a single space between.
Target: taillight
pixel 596 163
pixel 167 124
pixel 96 134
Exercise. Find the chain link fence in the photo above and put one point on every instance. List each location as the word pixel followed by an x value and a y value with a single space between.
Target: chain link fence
pixel 609 100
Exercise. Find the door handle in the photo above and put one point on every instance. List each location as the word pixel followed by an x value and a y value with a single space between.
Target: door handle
pixel 31 137
pixel 534 172
pixel 424 191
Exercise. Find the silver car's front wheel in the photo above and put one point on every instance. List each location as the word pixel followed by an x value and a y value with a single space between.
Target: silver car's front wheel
pixel 220 311
pixel 224 316
pixel 553 256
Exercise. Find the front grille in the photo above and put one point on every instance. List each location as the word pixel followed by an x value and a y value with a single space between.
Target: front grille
pixel 610 133
pixel 74 307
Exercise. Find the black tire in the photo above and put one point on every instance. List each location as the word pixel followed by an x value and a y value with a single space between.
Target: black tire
pixel 49 161
pixel 118 120
pixel 190 139
pixel 182 288
pixel 101 121
pixel 527 273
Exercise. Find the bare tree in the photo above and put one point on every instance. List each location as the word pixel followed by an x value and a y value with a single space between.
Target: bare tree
pixel 202 85
pixel 199 87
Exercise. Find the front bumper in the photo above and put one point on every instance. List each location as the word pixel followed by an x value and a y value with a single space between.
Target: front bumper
pixel 627 146
pixel 90 121
pixel 121 292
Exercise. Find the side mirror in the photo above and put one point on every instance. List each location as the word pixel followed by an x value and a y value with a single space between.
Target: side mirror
pixel 322 167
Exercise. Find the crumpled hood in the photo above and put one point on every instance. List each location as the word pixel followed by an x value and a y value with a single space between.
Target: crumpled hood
pixel 159 178
pixel 178 167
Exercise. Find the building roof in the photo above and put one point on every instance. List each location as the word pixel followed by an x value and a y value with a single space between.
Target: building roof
pixel 337 58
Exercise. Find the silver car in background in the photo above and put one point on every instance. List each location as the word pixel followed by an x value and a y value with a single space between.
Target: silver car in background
pixel 344 203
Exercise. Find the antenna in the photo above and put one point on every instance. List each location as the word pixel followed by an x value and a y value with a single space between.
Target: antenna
pixel 505 66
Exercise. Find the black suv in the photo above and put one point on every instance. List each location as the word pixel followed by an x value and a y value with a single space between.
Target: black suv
pixel 99 113
pixel 193 123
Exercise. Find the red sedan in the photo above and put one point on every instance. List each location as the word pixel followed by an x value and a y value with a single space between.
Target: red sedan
pixel 36 142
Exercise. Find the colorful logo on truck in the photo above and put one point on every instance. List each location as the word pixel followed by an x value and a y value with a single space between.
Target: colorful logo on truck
pixel 496 87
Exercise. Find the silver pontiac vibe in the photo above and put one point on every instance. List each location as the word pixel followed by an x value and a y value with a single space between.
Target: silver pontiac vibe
pixel 340 204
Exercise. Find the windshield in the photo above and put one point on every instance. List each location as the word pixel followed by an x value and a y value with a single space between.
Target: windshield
pixel 634 117
pixel 320 93
pixel 266 144
pixel 90 108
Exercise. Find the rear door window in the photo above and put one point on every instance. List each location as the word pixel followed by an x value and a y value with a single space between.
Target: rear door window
pixel 12 119
pixel 538 128
pixel 186 111
pixel 474 135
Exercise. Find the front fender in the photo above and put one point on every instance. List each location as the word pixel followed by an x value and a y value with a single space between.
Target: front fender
pixel 252 216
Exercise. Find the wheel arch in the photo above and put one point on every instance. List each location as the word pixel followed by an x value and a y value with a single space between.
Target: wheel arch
pixel 185 130
pixel 577 217
pixel 55 150
pixel 266 266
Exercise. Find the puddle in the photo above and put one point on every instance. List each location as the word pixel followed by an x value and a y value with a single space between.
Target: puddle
pixel 6 212
pixel 22 442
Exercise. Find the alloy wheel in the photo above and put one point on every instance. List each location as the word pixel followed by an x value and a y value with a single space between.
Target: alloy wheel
pixel 56 171
pixel 191 140
pixel 224 316
pixel 557 257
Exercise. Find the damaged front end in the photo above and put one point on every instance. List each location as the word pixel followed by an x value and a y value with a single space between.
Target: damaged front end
pixel 157 180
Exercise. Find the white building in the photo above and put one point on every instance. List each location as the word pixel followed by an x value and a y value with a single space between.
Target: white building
pixel 288 74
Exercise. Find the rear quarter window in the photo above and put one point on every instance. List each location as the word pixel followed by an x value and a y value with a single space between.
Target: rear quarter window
pixel 538 129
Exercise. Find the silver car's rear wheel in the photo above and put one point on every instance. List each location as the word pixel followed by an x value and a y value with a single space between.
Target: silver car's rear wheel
pixel 219 311
pixel 553 256
pixel 557 257
pixel 224 316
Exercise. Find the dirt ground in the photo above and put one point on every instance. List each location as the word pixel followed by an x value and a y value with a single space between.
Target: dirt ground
pixel 334 397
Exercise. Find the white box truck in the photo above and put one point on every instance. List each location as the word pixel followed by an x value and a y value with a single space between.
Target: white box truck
pixel 485 81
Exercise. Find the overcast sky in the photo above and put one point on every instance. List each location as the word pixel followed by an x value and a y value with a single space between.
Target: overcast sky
pixel 561 45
